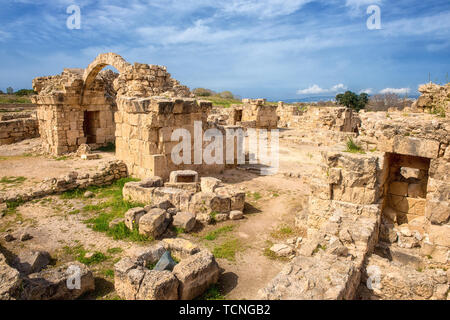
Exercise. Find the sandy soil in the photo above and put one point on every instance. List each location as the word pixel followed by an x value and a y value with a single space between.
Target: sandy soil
pixel 55 227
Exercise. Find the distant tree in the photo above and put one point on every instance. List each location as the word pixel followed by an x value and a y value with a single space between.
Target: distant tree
pixel 1 92
pixel 226 95
pixel 202 92
pixel 24 92
pixel 352 100
pixel 9 90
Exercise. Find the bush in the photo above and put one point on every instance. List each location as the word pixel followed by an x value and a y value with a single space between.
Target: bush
pixel 24 92
pixel 226 95
pixel 202 92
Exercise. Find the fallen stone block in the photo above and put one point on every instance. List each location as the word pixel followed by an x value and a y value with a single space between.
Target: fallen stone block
pixel 59 283
pixel 196 274
pixel 185 221
pixel 133 217
pixel 33 261
pixel 165 263
pixel 154 223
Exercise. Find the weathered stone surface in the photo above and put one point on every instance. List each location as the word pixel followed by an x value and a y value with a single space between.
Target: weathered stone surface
pixel 185 221
pixel 438 212
pixel 133 217
pixel 282 250
pixel 10 281
pixel 196 274
pixel 51 284
pixel 33 261
pixel 209 184
pixel 180 248
pixel 154 223
pixel 158 285
pixel 236 215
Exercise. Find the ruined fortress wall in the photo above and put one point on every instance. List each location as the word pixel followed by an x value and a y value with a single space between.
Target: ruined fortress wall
pixel 434 98
pixel 17 127
pixel 144 130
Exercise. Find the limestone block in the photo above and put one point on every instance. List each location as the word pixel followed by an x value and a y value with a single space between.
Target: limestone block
pixel 154 223
pixel 416 190
pixel 438 212
pixel 158 285
pixel 185 221
pixel 398 188
pixel 196 274
pixel 416 147
pixel 209 184
pixel 133 217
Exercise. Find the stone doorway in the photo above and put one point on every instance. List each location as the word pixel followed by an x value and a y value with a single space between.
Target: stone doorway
pixel 407 186
pixel 90 125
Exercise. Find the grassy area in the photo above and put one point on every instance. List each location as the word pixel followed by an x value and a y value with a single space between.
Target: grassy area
pixel 12 181
pixel 80 255
pixel 113 206
pixel 221 102
pixel 270 254
pixel 282 233
pixel 213 293
pixel 216 233
pixel 352 147
pixel 13 99
pixel 227 250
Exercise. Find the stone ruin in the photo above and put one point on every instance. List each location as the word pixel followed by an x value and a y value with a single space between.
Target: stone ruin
pixel 195 272
pixel 18 126
pixel 380 216
pixel 138 110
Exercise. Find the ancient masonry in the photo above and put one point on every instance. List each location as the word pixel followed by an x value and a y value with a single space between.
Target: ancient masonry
pixel 15 127
pixel 138 110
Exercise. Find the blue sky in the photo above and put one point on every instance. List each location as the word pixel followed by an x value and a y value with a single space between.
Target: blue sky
pixel 255 48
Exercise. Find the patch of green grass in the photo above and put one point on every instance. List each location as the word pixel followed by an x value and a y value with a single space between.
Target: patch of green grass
pixel 227 250
pixel 213 215
pixel 114 250
pixel 352 147
pixel 80 255
pixel 215 233
pixel 319 247
pixel 73 212
pixel 178 230
pixel 221 102
pixel 12 99
pixel 110 147
pixel 12 180
pixel 62 158
pixel 11 206
pixel 121 232
pixel 109 273
pixel 282 233
pixel 255 195
pixel 213 293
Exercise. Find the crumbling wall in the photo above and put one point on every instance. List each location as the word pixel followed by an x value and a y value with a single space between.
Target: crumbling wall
pixel 434 98
pixel 144 130
pixel 286 114
pixel 254 113
pixel 62 109
pixel 15 127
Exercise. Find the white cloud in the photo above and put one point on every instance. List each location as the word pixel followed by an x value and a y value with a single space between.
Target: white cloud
pixel 368 91
pixel 315 89
pixel 263 8
pixel 396 90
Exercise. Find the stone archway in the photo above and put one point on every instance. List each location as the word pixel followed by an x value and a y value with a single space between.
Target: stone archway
pixel 103 60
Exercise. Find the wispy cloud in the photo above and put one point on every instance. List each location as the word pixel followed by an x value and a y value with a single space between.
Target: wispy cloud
pixel 396 90
pixel 315 89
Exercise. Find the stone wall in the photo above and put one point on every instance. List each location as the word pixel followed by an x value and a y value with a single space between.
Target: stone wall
pixel 105 174
pixel 286 114
pixel 434 98
pixel 67 118
pixel 253 113
pixel 342 217
pixel 15 127
pixel 144 128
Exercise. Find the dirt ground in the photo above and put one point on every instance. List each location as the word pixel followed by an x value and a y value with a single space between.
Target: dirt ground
pixel 58 225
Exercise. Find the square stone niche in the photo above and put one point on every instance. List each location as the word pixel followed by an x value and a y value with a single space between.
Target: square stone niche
pixel 406 188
